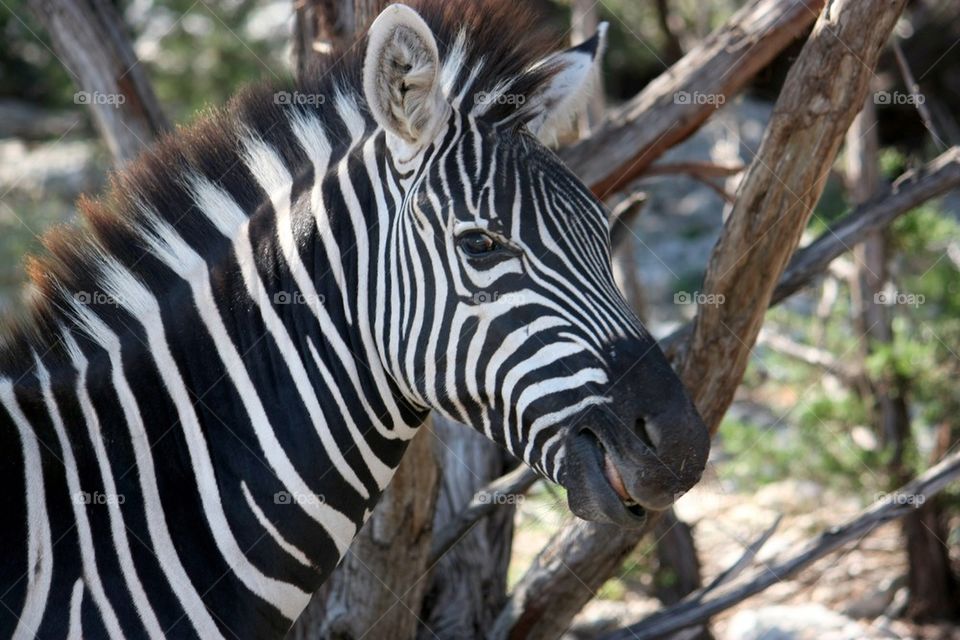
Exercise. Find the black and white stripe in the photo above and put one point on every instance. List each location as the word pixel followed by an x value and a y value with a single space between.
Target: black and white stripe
pixel 223 372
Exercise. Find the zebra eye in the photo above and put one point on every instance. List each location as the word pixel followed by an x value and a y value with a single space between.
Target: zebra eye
pixel 477 243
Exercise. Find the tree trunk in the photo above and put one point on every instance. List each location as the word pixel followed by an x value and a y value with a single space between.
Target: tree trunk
pixel 91 42
pixel 930 580
pixel 377 590
pixel 469 583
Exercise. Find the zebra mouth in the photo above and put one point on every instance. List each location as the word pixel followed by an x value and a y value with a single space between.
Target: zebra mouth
pixel 614 479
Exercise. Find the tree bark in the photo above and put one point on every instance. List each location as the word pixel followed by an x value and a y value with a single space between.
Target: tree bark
pixel 377 590
pixel 468 584
pixel 677 103
pixel 91 42
pixel 823 92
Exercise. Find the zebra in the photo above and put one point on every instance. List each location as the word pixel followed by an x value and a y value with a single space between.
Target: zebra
pixel 217 374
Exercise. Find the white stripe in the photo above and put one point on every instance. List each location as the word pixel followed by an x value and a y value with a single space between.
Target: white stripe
pixel 381 472
pixel 551 419
pixel 287 598
pixel 163 547
pixel 167 245
pixel 118 530
pixel 291 549
pixel 75 631
pixel 364 325
pixel 88 556
pixel 308 132
pixel 39 545
pixel 546 387
pixel 211 198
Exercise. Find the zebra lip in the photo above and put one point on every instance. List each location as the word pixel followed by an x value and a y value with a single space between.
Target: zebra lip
pixel 615 480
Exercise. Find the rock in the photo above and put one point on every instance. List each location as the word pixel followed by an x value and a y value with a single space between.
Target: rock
pixel 803 622
pixel 875 602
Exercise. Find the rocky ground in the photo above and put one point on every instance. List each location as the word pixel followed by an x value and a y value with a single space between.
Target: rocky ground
pixel 856 593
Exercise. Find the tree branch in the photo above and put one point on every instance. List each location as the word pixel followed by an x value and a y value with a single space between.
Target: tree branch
pixel 677 103
pixel 485 501
pixel 822 94
pixel 702 605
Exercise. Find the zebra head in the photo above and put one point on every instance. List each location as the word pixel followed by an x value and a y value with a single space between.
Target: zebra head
pixel 501 309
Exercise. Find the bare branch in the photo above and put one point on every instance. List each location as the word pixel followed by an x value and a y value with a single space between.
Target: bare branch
pixel 912 189
pixel 677 103
pixel 809 354
pixel 497 493
pixel 702 605
pixel 822 94
pixel 914 88
pixel 749 556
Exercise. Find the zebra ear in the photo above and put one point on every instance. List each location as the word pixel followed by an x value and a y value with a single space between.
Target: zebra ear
pixel 400 75
pixel 565 96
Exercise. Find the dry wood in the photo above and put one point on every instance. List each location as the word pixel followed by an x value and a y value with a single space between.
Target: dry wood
pixel 499 492
pixel 677 103
pixel 468 583
pixel 377 590
pixel 701 606
pixel 90 40
pixel 822 93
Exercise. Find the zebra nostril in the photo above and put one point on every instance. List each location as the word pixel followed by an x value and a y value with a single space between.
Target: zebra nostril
pixel 648 433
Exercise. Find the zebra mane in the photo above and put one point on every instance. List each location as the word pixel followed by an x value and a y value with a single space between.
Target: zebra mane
pixel 484 45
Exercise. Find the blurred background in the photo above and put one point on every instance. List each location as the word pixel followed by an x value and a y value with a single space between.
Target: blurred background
pixel 847 395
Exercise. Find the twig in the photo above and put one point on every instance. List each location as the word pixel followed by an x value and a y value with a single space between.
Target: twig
pixel 809 355
pixel 696 169
pixel 484 501
pixel 919 100
pixel 701 606
pixel 912 189
pixel 749 555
